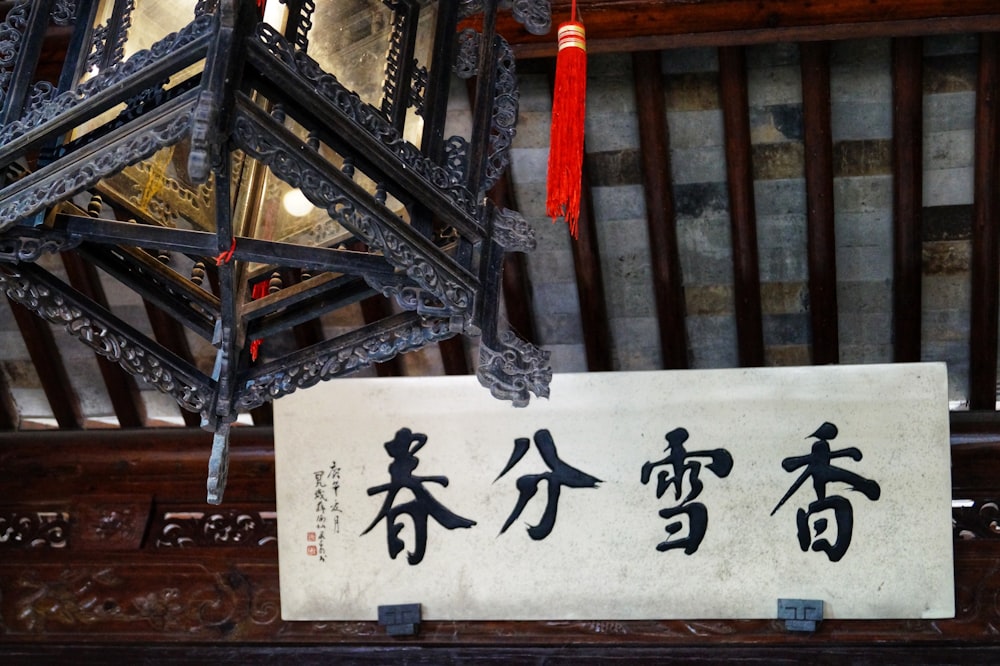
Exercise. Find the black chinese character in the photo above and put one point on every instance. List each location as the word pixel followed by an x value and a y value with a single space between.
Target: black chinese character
pixel 679 462
pixel 817 465
pixel 560 475
pixel 402 449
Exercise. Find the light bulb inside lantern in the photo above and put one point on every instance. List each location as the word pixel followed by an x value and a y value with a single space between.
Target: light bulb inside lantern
pixel 296 204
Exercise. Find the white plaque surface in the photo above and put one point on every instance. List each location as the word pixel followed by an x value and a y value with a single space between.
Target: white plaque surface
pixel 629 495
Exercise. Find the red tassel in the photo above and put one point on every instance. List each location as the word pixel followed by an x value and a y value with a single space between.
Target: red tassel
pixel 259 291
pixel 566 138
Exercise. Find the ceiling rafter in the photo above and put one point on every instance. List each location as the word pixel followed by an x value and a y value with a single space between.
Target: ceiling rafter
pixel 170 333
pixel 9 418
pixel 820 218
pixel 986 231
pixel 590 284
pixel 121 387
pixel 516 285
pixel 661 219
pixel 742 211
pixel 907 174
pixel 48 363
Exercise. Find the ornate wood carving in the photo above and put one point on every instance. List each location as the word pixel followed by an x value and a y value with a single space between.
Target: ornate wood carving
pixel 979 520
pixel 11 31
pixel 48 186
pixel 28 287
pixel 342 356
pixel 228 528
pixel 109 523
pixel 110 79
pixel 330 189
pixel 165 595
pixel 24 528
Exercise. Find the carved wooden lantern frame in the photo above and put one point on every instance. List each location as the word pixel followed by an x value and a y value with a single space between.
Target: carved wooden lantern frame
pixel 230 103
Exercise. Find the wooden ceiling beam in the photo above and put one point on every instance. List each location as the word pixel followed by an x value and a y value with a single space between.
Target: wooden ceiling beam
pixel 170 333
pixel 821 237
pixel 742 210
pixel 453 356
pixel 126 400
pixel 907 171
pixel 985 231
pixel 637 25
pixel 9 419
pixel 516 284
pixel 48 363
pixel 168 463
pixel 661 221
pixel 590 285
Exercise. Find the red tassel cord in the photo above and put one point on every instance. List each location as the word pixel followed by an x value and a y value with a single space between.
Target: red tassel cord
pixel 227 256
pixel 259 291
pixel 566 138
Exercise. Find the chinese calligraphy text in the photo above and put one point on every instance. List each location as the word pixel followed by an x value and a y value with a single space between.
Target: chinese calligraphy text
pixel 423 505
pixel 326 484
pixel 680 463
pixel 560 474
pixel 817 465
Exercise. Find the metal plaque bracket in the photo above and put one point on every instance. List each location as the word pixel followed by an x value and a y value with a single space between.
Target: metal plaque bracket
pixel 400 619
pixel 800 614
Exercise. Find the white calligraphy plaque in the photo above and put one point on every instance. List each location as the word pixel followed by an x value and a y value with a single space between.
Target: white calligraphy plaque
pixel 674 494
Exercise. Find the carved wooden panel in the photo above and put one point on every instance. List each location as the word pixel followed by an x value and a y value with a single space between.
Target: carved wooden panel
pixel 226 527
pixel 169 596
pixel 109 523
pixel 160 602
pixel 26 528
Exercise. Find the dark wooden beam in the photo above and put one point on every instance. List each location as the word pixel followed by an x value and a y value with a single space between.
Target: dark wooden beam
pixel 306 334
pixel 638 25
pixel 654 142
pixel 263 415
pixel 122 389
pixel 170 334
pixel 516 285
pixel 503 653
pixel 590 285
pixel 168 463
pixel 48 364
pixel 743 218
pixel 9 418
pixel 453 356
pixel 517 298
pixel 310 332
pixel 985 231
pixel 907 169
pixel 821 239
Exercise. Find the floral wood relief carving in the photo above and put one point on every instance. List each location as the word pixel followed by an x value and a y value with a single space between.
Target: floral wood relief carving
pixel 197 603
pixel 158 596
pixel 115 523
